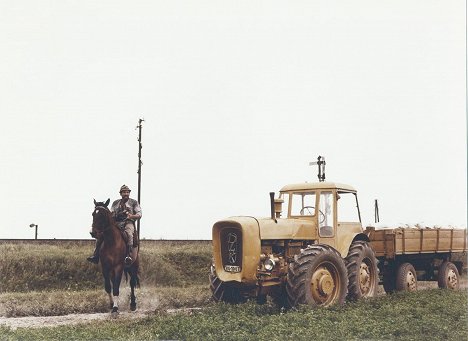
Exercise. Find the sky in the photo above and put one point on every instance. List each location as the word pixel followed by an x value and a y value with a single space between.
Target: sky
pixel 237 97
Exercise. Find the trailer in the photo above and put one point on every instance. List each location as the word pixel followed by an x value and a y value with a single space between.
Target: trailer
pixel 409 254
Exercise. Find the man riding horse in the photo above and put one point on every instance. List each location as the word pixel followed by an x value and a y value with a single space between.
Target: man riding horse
pixel 125 212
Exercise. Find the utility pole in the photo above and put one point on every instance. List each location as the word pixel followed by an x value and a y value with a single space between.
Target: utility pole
pixel 140 121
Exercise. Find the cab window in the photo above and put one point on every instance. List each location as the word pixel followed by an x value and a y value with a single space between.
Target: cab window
pixel 303 204
pixel 325 218
pixel 347 207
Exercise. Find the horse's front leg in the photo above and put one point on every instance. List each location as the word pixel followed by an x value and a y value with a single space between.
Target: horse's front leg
pixel 107 287
pixel 116 291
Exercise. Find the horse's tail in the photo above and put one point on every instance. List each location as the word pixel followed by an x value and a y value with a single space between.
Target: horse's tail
pixel 126 274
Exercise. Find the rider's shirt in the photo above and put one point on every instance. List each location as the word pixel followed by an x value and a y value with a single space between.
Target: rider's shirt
pixel 131 206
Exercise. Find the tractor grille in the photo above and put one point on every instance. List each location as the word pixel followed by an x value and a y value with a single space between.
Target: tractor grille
pixel 231 249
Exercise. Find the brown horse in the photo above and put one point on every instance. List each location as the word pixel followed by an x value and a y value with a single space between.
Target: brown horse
pixel 112 256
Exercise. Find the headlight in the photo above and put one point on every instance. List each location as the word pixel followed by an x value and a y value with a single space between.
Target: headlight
pixel 269 264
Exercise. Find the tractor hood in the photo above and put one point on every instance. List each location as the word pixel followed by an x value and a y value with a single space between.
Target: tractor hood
pixel 291 229
pixel 237 243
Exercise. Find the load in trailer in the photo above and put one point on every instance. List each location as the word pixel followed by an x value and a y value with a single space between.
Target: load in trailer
pixel 313 250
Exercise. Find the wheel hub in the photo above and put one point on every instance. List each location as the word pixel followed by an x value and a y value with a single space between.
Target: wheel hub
pixel 410 281
pixel 322 285
pixel 365 278
pixel 326 285
pixel 452 279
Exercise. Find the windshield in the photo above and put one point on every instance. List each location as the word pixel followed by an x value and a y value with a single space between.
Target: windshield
pixel 303 204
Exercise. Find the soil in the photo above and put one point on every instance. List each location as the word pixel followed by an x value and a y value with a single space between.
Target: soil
pixel 54 321
pixel 72 319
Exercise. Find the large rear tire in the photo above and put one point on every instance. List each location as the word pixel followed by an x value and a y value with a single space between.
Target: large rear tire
pixel 223 292
pixel 317 277
pixel 406 279
pixel 448 277
pixel 363 274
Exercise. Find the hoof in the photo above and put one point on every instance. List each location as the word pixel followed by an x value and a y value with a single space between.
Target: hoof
pixel 132 306
pixel 112 306
pixel 115 311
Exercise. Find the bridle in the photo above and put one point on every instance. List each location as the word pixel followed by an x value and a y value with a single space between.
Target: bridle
pixel 99 232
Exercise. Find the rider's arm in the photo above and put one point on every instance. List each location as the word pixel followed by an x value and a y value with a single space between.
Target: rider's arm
pixel 136 211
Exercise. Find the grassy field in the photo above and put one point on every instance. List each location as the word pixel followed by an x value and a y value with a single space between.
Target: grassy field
pixel 42 280
pixel 38 267
pixel 425 315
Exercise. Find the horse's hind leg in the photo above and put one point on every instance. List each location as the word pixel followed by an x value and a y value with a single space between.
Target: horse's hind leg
pixel 133 284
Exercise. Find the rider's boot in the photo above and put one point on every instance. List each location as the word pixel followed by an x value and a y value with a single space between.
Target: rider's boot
pixel 128 259
pixel 95 257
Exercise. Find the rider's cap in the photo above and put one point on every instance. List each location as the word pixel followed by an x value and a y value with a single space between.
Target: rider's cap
pixel 124 188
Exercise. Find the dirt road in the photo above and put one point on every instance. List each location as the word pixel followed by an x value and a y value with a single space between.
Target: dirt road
pixel 54 321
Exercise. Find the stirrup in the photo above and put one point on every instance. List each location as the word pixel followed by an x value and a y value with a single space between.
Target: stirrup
pixel 128 260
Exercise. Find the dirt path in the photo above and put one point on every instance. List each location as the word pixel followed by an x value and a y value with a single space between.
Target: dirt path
pixel 72 319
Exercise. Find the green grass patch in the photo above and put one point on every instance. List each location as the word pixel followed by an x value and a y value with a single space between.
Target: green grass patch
pixel 424 315
pixel 37 267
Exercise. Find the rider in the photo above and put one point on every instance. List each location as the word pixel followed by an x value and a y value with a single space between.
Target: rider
pixel 125 212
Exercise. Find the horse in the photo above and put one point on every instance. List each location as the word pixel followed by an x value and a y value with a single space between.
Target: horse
pixel 112 255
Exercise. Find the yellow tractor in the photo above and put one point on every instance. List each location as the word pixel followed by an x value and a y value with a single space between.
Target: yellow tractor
pixel 311 250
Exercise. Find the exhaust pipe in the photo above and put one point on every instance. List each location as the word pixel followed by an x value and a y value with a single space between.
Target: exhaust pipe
pixel 272 206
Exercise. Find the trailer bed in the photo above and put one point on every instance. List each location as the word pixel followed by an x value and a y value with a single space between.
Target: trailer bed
pixel 390 242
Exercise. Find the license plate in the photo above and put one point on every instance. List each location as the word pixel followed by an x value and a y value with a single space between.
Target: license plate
pixel 232 268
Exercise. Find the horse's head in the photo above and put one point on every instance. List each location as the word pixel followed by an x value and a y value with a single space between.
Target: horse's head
pixel 102 218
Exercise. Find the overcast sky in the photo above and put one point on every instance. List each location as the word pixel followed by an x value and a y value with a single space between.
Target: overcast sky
pixel 237 97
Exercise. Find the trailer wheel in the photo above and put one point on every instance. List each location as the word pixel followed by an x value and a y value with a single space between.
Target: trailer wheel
pixel 448 277
pixel 317 277
pixel 363 274
pixel 222 292
pixel 406 278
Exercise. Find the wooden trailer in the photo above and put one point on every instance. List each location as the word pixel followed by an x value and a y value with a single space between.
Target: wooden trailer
pixel 407 255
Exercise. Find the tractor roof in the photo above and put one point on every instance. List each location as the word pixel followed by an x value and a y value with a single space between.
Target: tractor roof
pixel 316 185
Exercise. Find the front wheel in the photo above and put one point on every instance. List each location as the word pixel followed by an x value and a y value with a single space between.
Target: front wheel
pixel 448 277
pixel 317 277
pixel 222 292
pixel 363 275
